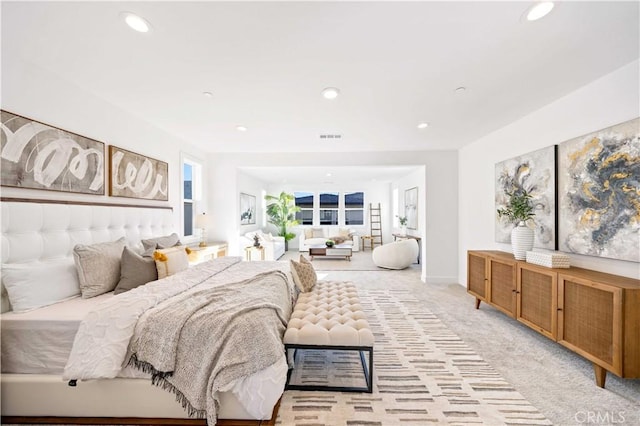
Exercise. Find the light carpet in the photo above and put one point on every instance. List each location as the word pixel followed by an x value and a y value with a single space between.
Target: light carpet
pixel 360 261
pixel 423 374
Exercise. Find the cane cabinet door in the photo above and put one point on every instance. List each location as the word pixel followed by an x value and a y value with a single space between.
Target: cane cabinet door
pixel 502 284
pixel 590 320
pixel 477 275
pixel 537 298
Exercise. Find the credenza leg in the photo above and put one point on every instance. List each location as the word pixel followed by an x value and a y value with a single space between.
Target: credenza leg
pixel 477 303
pixel 601 375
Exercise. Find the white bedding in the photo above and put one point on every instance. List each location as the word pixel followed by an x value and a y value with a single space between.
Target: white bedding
pixel 40 341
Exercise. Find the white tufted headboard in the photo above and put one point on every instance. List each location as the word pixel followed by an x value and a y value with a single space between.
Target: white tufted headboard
pixel 36 230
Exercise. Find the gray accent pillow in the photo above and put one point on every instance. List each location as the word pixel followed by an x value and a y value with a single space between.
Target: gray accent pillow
pixel 135 271
pixel 168 241
pixel 98 267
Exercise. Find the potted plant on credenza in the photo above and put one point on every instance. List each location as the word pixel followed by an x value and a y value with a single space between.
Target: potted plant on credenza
pixel 281 212
pixel 403 224
pixel 519 211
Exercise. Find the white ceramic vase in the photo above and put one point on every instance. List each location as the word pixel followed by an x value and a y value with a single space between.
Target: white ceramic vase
pixel 521 240
pixel 403 230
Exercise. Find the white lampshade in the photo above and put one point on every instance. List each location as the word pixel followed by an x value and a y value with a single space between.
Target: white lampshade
pixel 202 221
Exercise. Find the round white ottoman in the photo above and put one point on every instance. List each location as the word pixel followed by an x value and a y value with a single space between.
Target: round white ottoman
pixel 396 255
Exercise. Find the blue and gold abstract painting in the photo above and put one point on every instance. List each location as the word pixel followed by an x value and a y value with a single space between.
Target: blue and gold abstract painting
pixel 599 193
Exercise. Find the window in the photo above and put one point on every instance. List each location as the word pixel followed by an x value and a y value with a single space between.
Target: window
pixel 329 208
pixel 191 172
pixel 354 208
pixel 188 199
pixel 304 200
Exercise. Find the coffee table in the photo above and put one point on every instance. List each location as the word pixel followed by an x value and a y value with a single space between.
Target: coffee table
pixel 336 251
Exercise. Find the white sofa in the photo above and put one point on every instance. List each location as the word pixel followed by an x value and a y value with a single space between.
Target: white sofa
pixel 314 236
pixel 273 245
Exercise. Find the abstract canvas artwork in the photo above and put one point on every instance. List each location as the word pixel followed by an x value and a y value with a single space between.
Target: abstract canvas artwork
pixel 137 176
pixel 37 156
pixel 599 193
pixel 247 209
pixel 535 173
pixel 411 207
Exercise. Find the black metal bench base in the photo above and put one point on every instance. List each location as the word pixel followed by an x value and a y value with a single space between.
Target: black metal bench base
pixel 368 372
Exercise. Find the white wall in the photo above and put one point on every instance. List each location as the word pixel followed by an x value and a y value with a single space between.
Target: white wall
pixel 610 100
pixel 251 186
pixel 35 93
pixel 418 179
pixel 441 186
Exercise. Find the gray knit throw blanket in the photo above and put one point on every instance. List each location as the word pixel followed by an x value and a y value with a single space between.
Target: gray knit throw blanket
pixel 207 338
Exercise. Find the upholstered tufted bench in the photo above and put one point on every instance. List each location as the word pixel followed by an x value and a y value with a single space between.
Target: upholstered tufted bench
pixel 330 318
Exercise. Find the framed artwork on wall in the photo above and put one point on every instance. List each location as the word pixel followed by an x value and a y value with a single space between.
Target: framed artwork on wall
pixel 599 193
pixel 38 156
pixel 134 175
pixel 534 172
pixel 247 209
pixel 411 207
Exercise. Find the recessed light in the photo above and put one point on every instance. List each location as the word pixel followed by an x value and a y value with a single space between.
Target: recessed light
pixel 241 128
pixel 207 94
pixel 423 125
pixel 539 10
pixel 328 174
pixel 330 93
pixel 136 22
pixel 460 90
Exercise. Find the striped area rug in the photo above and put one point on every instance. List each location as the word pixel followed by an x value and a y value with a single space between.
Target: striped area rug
pixel 424 374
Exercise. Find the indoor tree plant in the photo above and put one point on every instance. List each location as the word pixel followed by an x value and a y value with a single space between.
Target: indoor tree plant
pixel 518 211
pixel 281 212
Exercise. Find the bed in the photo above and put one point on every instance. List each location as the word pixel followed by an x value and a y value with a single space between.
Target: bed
pixel 37 344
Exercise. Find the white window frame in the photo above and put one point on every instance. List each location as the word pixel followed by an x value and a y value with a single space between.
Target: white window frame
pixel 196 191
pixel 336 209
pixel 314 201
pixel 343 197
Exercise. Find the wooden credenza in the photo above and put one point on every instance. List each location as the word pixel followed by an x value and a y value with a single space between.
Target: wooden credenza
pixel 596 315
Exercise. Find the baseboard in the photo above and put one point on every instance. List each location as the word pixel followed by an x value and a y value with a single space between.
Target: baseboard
pixel 441 280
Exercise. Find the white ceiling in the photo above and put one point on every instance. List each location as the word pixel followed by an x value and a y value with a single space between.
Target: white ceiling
pixel 329 175
pixel 396 64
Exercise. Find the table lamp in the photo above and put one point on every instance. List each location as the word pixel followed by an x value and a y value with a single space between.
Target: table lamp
pixel 202 220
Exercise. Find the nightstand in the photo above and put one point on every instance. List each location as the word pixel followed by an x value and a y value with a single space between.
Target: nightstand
pixel 212 251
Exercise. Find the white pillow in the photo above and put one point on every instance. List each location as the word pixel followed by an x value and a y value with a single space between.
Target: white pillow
pixel 315 241
pixel 318 233
pixel 344 232
pixel 34 285
pixel 171 261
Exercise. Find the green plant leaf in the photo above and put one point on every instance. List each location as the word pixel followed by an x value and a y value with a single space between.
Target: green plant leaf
pixel 519 208
pixel 281 212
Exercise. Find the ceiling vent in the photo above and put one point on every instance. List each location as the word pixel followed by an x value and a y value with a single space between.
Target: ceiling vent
pixel 330 136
